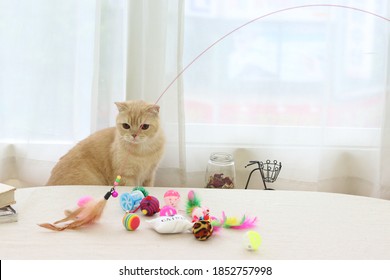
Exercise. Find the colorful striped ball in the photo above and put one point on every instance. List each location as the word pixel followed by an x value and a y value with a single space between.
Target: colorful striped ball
pixel 131 221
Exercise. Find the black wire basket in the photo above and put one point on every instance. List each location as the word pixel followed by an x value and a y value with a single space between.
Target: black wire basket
pixel 269 171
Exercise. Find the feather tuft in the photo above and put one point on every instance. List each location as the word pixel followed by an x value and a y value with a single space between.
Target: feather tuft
pixel 87 214
pixel 234 222
pixel 192 202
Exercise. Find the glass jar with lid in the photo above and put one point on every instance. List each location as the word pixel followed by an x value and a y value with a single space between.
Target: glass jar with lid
pixel 220 172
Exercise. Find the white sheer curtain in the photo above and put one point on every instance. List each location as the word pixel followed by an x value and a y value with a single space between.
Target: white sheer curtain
pixel 306 86
pixel 154 59
pixel 47 59
pixel 65 63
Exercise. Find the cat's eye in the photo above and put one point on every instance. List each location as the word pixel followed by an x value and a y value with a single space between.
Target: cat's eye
pixel 144 126
pixel 125 125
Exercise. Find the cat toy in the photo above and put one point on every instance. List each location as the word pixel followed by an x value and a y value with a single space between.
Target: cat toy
pixel 149 206
pixel 139 199
pixel 202 230
pixel 172 198
pixel 88 212
pixel 131 201
pixel 252 240
pixel 202 227
pixel 171 224
pixel 233 222
pixel 131 221
pixel 194 208
pixel 168 210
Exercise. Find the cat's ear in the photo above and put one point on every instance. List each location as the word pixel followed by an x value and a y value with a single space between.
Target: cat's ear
pixel 122 106
pixel 154 109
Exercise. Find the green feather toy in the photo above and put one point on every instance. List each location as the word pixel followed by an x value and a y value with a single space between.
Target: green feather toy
pixel 192 202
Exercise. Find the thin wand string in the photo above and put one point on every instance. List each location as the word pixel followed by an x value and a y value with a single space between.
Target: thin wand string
pixel 250 22
pixel 254 20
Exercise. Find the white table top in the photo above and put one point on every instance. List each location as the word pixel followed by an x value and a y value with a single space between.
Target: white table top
pixel 293 225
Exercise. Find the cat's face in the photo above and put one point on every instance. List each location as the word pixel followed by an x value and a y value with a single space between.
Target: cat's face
pixel 137 121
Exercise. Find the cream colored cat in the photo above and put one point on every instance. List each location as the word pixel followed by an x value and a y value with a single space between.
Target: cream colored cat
pixel 132 149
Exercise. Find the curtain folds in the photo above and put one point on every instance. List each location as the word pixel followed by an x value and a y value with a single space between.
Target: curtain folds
pixel 384 164
pixel 153 59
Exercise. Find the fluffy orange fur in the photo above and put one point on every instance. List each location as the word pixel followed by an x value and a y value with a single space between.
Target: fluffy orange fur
pixel 132 149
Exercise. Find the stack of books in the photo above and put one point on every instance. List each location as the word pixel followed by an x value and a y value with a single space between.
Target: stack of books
pixel 7 199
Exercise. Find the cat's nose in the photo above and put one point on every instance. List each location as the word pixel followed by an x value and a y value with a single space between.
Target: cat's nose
pixel 134 135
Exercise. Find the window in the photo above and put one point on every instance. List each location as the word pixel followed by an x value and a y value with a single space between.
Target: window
pixel 305 85
pixel 306 67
